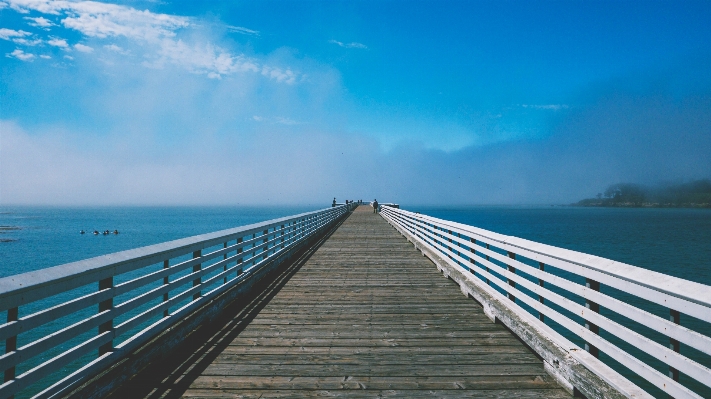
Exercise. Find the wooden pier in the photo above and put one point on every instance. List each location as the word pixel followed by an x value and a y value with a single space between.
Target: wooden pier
pixel 343 302
pixel 366 315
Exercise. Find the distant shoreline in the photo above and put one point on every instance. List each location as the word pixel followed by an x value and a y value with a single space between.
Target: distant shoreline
pixel 694 194
pixel 599 204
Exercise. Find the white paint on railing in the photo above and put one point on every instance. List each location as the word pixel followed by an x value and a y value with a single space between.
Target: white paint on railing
pixel 464 245
pixel 243 251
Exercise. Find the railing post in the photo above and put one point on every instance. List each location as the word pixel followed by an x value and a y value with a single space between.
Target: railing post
pixel 11 342
pixel 104 306
pixel 541 283
pixel 508 280
pixel 166 281
pixel 224 268
pixel 487 267
pixel 282 236
pixel 239 260
pixel 459 246
pixel 198 280
pixel 674 317
pixel 594 307
pixel 473 251
pixel 265 250
pixel 449 247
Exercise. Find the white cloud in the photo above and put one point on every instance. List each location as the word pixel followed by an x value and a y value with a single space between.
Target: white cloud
pixel 349 45
pixel 280 75
pixel 40 22
pixel 103 20
pixel 68 57
pixel 286 121
pixel 18 37
pixel 116 49
pixel 258 118
pixel 554 107
pixel 20 55
pixel 46 57
pixel 9 34
pixel 244 31
pixel 27 42
pixel 157 35
pixel 58 42
pixel 83 48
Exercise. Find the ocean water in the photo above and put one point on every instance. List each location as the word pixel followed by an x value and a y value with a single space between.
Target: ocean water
pixel 671 241
pixel 33 238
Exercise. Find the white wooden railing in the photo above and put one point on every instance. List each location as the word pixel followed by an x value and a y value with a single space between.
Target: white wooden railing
pixel 547 282
pixel 139 293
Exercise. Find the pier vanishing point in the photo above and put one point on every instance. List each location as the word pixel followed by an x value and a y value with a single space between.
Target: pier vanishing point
pixel 345 302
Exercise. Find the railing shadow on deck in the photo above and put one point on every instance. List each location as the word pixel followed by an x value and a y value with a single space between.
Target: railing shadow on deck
pixel 51 338
pixel 603 328
pixel 171 377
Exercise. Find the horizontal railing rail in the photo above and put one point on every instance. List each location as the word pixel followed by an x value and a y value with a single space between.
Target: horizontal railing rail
pixel 51 326
pixel 517 268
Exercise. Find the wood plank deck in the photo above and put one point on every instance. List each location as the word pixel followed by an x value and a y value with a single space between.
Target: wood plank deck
pixel 367 316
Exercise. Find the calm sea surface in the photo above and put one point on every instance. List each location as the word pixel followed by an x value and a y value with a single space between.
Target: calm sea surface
pixel 35 238
pixel 671 241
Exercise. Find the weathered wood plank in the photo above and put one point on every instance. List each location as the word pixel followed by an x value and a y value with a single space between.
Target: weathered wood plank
pixel 368 316
pixel 377 383
pixel 365 393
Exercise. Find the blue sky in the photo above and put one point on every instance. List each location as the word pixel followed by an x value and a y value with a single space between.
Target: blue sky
pixel 147 102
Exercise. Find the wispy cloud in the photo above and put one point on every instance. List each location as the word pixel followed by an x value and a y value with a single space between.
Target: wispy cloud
pixel 19 37
pixel 286 121
pixel 553 107
pixel 244 31
pixel 20 55
pixel 349 45
pixel 117 49
pixel 157 35
pixel 278 120
pixel 103 20
pixel 58 42
pixel 9 34
pixel 83 48
pixel 40 22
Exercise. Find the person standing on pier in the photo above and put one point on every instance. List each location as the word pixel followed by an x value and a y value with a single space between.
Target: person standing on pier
pixel 375 206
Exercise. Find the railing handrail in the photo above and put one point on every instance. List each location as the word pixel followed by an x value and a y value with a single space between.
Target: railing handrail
pixel 472 250
pixel 194 270
pixel 685 289
pixel 37 284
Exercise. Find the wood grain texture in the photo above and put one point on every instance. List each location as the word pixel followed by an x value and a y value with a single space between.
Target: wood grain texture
pixel 367 316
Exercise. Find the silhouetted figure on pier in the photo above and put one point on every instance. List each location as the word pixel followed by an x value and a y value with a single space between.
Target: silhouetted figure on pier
pixel 334 202
pixel 375 206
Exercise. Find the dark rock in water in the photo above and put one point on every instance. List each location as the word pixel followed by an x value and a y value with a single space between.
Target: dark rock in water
pixel 7 240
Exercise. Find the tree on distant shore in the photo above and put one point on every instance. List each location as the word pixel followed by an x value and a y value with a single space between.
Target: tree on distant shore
pixel 696 193
pixel 625 193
